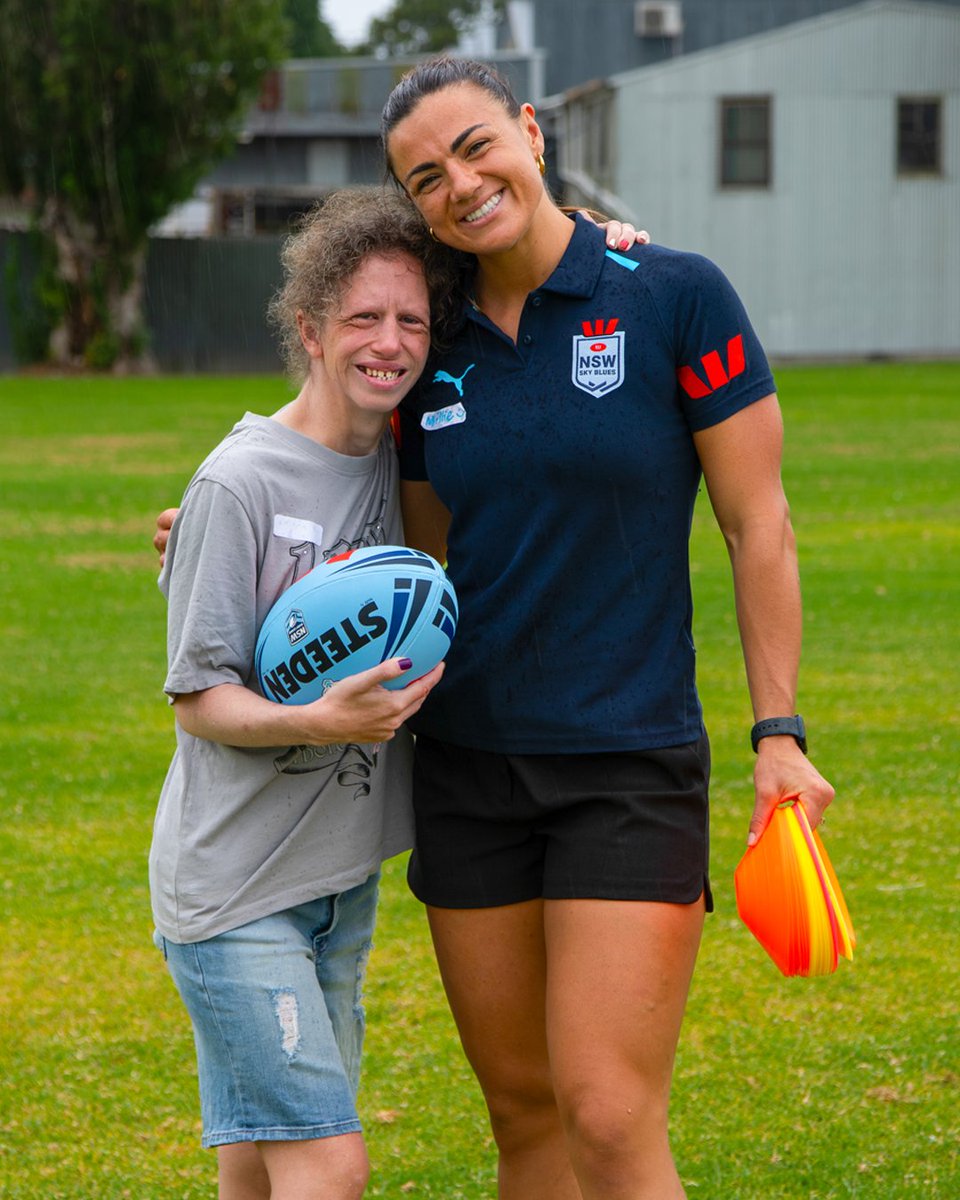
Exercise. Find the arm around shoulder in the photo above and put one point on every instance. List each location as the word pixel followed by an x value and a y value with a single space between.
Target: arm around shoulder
pixel 161 536
pixel 426 519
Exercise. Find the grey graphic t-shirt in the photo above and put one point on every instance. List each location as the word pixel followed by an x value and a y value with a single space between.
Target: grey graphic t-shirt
pixel 244 832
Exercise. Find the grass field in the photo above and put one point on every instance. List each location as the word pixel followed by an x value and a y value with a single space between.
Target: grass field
pixel 846 1086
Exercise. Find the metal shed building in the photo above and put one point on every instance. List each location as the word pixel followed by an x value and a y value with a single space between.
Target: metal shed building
pixel 818 164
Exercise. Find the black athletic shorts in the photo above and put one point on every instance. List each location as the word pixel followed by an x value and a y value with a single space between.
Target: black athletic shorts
pixel 496 829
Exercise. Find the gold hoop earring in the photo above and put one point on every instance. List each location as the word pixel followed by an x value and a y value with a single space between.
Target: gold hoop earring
pixel 432 234
pixel 541 164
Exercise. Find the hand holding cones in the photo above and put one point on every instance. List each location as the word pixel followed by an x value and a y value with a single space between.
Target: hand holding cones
pixel 789 897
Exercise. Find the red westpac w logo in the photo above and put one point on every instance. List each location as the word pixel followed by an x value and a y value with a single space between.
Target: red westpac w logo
pixel 598 358
pixel 599 327
pixel 713 366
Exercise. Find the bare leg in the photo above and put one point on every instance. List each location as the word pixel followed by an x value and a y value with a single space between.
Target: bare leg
pixel 493 965
pixel 334 1168
pixel 619 974
pixel 242 1173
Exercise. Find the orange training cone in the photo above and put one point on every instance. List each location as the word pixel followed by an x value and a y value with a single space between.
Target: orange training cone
pixel 789 897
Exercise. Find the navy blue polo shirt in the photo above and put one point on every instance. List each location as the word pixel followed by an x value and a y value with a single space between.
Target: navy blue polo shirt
pixel 568 465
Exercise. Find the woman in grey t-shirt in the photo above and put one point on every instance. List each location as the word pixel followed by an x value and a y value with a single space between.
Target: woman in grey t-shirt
pixel 273 820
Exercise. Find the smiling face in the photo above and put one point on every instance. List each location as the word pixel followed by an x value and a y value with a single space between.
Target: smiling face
pixel 470 168
pixel 368 353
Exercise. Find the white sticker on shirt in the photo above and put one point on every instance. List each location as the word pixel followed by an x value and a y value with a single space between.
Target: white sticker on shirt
pixel 296 529
pixel 454 414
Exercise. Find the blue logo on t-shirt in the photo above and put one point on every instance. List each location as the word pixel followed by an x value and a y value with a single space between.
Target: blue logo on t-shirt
pixel 444 377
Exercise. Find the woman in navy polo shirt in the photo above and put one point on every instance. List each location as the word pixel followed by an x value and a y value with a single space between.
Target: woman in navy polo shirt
pixel 553 455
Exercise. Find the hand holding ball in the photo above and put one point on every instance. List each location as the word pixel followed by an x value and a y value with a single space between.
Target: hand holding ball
pixel 351 613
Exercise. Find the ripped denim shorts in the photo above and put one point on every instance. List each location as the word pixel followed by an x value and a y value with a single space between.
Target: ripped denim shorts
pixel 278 1022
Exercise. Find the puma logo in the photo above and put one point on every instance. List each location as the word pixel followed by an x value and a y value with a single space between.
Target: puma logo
pixel 443 377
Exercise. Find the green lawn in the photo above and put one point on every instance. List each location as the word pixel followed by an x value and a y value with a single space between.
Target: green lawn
pixel 807 1089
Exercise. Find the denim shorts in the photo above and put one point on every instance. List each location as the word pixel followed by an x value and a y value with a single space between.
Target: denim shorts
pixel 278 1021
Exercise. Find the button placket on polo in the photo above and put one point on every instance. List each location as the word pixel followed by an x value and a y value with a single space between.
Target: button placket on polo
pixel 527 331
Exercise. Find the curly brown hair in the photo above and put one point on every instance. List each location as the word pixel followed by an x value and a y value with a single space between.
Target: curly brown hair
pixel 327 248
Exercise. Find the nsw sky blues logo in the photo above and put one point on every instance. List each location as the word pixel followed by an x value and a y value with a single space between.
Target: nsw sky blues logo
pixel 295 626
pixel 598 357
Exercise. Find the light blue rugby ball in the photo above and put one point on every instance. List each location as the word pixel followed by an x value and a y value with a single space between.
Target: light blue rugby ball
pixel 351 613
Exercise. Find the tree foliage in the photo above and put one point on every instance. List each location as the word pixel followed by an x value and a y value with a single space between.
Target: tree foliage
pixel 424 26
pixel 310 36
pixel 111 111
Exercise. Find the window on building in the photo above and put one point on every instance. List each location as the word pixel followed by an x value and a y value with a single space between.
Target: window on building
pixel 248 211
pixel 919 132
pixel 746 152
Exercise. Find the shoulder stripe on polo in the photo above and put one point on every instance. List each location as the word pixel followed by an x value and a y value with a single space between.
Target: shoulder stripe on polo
pixel 624 262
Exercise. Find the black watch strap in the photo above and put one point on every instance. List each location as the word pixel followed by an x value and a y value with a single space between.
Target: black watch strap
pixel 777 727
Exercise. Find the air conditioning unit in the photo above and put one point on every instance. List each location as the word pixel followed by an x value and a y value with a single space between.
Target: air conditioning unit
pixel 658 18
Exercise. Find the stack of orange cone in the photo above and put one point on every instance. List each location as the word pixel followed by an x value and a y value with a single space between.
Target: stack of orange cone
pixel 789 898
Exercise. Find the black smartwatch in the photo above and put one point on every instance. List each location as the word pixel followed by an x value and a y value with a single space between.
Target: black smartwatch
pixel 777 726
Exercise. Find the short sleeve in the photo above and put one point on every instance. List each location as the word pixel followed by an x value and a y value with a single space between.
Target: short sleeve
pixel 721 366
pixel 210 580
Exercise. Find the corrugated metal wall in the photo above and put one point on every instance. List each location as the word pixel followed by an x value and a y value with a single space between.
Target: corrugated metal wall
pixel 205 303
pixel 840 256
pixel 591 39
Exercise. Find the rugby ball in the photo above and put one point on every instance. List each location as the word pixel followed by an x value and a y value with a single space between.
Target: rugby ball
pixel 349 614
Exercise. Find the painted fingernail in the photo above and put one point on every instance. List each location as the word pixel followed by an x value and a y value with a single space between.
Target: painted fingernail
pixel 405 663
pixel 624 244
